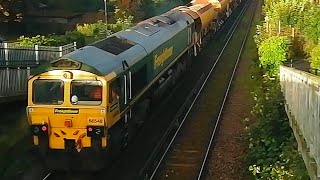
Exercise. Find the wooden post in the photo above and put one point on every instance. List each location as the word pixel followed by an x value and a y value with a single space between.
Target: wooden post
pixel 28 72
pixel 279 27
pixel 8 79
pixel 60 51
pixel 19 80
pixel 267 23
pixel 6 53
pixel 36 50
pixel 293 32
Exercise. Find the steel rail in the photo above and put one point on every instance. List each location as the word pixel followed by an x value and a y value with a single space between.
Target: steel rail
pixel 47 176
pixel 225 98
pixel 232 30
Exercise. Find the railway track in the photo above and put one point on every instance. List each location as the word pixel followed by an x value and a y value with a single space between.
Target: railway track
pixel 142 168
pixel 186 155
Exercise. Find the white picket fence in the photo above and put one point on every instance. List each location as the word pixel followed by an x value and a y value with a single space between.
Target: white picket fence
pixel 14 55
pixel 302 96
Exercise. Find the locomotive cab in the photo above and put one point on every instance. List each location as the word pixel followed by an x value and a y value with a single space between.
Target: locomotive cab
pixel 71 110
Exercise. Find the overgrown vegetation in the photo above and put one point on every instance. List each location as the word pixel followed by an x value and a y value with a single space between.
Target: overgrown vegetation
pixel 273 51
pixel 298 20
pixel 273 150
pixel 83 34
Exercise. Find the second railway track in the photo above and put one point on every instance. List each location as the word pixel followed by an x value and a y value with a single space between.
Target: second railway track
pixel 186 156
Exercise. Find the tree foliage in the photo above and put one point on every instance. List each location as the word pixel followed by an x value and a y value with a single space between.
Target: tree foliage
pixel 315 57
pixel 310 24
pixel 126 8
pixel 302 15
pixel 288 12
pixel 273 51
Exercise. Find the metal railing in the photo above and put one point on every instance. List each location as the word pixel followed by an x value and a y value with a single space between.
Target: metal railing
pixel 13 82
pixel 14 55
pixel 302 96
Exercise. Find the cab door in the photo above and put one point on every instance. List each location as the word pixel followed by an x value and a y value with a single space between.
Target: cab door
pixel 114 101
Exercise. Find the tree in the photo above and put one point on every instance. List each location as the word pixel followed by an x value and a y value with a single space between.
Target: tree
pixel 272 52
pixel 310 24
pixel 126 8
pixel 315 57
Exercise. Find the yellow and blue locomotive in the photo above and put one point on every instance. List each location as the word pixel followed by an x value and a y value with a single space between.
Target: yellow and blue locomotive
pixel 86 105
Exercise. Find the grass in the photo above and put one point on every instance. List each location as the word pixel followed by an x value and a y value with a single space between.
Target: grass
pixel 13 130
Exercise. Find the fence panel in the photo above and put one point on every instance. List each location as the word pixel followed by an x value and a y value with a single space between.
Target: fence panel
pixel 14 55
pixel 302 95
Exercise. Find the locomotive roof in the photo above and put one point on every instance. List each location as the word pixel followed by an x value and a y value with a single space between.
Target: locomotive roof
pixel 131 45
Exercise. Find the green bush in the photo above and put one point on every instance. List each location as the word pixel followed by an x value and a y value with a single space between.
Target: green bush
pixel 123 23
pixel 53 40
pixel 74 36
pixel 273 151
pixel 272 52
pixel 57 40
pixel 36 40
pixel 315 57
pixel 86 29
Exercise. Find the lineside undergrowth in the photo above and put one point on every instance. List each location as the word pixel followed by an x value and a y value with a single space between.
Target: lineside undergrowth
pixel 273 151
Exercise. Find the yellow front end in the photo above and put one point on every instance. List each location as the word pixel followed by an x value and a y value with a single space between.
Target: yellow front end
pixel 70 124
pixel 67 110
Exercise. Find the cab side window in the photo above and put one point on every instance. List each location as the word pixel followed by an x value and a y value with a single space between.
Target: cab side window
pixel 114 90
